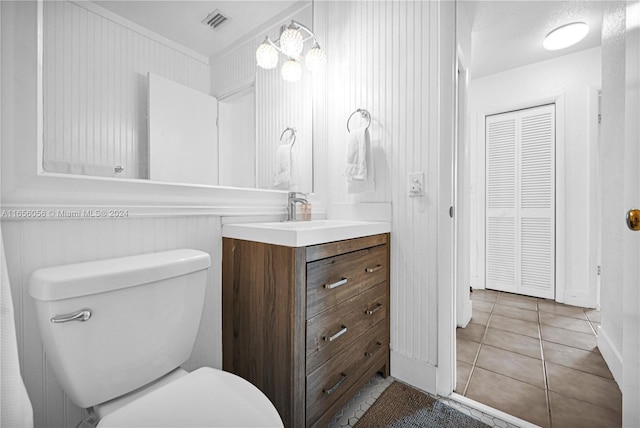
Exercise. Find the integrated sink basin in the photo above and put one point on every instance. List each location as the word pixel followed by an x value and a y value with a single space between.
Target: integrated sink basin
pixel 304 233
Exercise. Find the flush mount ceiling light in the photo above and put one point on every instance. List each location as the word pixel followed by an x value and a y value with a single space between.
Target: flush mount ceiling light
pixel 565 36
pixel 291 44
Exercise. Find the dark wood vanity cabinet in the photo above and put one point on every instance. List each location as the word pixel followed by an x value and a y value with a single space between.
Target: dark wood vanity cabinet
pixel 308 326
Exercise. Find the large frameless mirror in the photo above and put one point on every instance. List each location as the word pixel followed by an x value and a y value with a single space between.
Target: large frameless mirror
pixel 169 91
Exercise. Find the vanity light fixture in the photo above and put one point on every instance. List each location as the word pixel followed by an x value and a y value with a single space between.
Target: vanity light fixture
pixel 291 70
pixel 291 44
pixel 565 36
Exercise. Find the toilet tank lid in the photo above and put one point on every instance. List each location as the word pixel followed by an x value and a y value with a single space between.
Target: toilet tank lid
pixel 82 279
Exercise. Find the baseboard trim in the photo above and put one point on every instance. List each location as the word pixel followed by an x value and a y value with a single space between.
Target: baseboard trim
pixel 417 373
pixel 611 355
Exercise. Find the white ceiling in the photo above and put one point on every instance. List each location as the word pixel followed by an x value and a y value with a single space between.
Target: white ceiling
pixel 180 20
pixel 509 34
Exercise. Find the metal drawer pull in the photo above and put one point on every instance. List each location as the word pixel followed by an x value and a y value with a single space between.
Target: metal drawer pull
pixel 370 353
pixel 336 386
pixel 372 311
pixel 82 315
pixel 373 269
pixel 337 335
pixel 343 281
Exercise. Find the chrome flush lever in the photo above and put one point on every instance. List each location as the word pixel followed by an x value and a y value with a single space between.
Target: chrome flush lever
pixel 82 315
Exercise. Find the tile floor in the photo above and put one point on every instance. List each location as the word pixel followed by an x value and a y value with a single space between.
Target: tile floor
pixel 537 360
pixel 358 405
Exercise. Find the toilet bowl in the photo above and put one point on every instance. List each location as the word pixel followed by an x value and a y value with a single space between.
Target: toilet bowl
pixel 117 331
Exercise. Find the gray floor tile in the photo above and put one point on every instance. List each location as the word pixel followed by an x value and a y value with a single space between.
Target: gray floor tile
pixel 524 302
pixel 593 315
pixel 520 367
pixel 575 358
pixel 515 342
pixel 511 373
pixel 479 317
pixel 512 396
pixel 466 350
pixel 515 312
pixel 560 309
pixel 568 337
pixel 473 332
pixel 567 412
pixel 584 386
pixel 513 325
pixel 482 305
pixel 463 371
pixel 568 323
pixel 486 295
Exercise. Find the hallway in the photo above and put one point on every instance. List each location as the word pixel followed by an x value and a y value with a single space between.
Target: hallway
pixel 537 360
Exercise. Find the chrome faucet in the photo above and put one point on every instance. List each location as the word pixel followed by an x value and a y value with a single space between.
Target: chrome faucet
pixel 294 197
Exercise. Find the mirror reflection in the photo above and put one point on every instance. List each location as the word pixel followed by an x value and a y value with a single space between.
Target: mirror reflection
pixel 169 91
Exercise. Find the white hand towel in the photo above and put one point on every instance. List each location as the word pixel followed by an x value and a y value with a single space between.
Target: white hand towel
pixel 282 178
pixel 15 407
pixel 356 168
pixel 367 182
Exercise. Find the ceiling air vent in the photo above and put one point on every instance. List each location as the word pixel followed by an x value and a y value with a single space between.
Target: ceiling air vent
pixel 215 20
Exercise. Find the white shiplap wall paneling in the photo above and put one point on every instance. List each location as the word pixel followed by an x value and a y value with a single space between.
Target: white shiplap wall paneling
pixel 95 88
pixel 31 245
pixel 382 56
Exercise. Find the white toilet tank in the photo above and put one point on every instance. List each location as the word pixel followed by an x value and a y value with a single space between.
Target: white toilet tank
pixel 145 312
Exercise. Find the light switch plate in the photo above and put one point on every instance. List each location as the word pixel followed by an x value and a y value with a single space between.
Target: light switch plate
pixel 416 184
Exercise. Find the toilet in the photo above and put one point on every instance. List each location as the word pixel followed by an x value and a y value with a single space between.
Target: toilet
pixel 116 331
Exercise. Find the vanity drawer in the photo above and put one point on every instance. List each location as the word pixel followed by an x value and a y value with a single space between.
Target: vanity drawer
pixel 336 279
pixel 335 330
pixel 332 380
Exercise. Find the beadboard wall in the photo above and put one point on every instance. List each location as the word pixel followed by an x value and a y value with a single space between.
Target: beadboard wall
pixel 385 56
pixel 279 104
pixel 31 245
pixel 96 87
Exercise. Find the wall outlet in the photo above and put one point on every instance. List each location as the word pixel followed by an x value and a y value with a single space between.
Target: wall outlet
pixel 416 184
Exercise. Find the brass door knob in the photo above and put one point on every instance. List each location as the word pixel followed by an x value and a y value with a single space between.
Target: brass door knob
pixel 633 219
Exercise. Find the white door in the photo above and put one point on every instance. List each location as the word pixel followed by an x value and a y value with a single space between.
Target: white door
pixel 520 201
pixel 631 239
pixel 237 136
pixel 183 139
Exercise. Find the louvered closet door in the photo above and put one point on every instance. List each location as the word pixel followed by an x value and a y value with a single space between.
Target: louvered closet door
pixel 520 202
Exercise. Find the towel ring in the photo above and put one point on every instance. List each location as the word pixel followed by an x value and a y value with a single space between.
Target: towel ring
pixel 293 131
pixel 363 113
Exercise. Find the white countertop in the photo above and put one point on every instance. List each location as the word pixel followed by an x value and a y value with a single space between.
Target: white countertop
pixel 304 233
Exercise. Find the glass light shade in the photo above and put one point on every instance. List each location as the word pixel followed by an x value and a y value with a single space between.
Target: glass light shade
pixel 291 71
pixel 565 36
pixel 291 42
pixel 315 59
pixel 266 56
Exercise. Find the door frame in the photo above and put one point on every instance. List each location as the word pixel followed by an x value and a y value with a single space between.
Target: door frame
pixel 446 375
pixel 559 100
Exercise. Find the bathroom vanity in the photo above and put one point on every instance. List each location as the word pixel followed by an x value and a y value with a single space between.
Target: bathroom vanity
pixel 308 324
